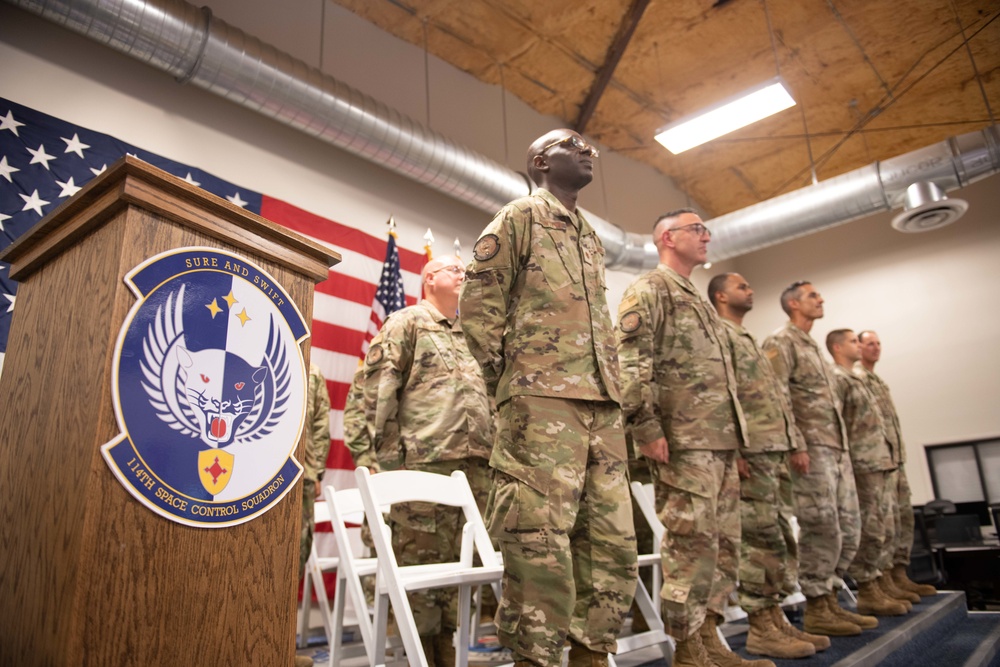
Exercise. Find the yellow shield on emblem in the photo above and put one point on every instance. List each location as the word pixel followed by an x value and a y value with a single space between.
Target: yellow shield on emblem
pixel 215 469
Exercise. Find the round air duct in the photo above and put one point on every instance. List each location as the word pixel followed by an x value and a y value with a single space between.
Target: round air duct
pixel 926 207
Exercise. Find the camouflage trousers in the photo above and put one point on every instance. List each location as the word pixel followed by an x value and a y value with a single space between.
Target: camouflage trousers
pixel 308 523
pixel 768 551
pixel 560 510
pixel 697 500
pixel 428 533
pixel 826 505
pixel 878 526
pixel 904 519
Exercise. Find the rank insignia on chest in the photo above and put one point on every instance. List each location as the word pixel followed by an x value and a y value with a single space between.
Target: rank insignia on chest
pixel 630 322
pixel 486 248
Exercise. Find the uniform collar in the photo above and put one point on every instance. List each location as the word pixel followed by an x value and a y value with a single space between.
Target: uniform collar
pixel 436 314
pixel 683 282
pixel 800 333
pixel 574 217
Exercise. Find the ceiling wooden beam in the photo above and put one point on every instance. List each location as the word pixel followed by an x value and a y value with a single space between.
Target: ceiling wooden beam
pixel 615 51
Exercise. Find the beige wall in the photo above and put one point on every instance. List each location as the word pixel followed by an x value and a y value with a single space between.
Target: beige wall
pixel 917 291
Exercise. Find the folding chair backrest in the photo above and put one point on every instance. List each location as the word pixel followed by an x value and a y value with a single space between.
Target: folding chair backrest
pixel 393 582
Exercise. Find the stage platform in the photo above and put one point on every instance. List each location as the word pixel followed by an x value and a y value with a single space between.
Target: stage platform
pixel 939 632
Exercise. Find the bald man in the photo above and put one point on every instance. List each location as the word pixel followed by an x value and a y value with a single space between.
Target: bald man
pixel 536 317
pixel 425 405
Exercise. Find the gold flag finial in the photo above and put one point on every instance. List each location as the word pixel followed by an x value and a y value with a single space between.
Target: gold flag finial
pixel 429 244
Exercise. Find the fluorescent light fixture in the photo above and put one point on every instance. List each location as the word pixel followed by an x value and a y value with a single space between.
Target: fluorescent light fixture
pixel 739 111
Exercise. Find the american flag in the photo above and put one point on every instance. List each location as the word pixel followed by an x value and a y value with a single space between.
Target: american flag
pixel 389 297
pixel 44 160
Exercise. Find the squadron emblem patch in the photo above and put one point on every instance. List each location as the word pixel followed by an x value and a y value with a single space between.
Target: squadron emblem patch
pixel 375 354
pixel 630 322
pixel 209 389
pixel 486 248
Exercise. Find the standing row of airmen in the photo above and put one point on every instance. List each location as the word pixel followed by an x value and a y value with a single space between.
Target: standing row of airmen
pixel 547 408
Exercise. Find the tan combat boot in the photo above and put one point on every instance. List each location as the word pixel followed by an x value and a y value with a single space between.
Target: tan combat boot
pixel 821 642
pixel 820 620
pixel 904 582
pixel 765 639
pixel 872 601
pixel 581 656
pixel 863 621
pixel 691 652
pixel 719 653
pixel 894 590
pixel 887 589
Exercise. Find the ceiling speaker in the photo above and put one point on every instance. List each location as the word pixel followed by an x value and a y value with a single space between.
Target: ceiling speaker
pixel 926 207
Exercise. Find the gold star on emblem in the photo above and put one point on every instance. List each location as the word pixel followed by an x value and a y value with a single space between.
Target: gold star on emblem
pixel 214 308
pixel 230 299
pixel 244 318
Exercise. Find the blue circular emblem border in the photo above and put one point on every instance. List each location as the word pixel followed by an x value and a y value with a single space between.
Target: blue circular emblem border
pixel 122 455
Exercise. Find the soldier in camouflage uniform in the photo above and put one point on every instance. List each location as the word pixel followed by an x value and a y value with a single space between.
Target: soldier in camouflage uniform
pixel 872 461
pixel 317 437
pixel 826 498
pixel 536 318
pixel 425 405
pixel 682 412
pixel 871 352
pixel 768 551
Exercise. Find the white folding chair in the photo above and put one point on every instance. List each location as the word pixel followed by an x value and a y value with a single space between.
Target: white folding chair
pixel 349 608
pixel 393 581
pixel 316 566
pixel 648 601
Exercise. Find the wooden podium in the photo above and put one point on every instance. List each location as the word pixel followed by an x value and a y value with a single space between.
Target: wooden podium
pixel 88 574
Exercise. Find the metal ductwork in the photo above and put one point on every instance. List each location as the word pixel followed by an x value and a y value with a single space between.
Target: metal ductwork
pixel 193 46
pixel 190 44
pixel 946 165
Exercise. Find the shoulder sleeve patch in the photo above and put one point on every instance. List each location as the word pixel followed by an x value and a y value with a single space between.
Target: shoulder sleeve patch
pixel 375 354
pixel 630 322
pixel 771 352
pixel 486 248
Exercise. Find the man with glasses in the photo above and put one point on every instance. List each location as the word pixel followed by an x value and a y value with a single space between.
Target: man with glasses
pixel 679 395
pixel 826 499
pixel 425 406
pixel 871 352
pixel 536 318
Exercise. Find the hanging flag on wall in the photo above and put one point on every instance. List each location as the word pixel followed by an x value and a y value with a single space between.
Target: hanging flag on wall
pixel 44 161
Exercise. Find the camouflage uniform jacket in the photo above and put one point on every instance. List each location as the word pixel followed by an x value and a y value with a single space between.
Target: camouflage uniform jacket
pixel 356 437
pixel 423 392
pixel 797 362
pixel 765 401
pixel 317 429
pixel 865 428
pixel 534 308
pixel 678 378
pixel 880 390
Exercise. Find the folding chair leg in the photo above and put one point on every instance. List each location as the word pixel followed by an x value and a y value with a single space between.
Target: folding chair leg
pixel 462 634
pixel 303 638
pixel 381 621
pixel 337 623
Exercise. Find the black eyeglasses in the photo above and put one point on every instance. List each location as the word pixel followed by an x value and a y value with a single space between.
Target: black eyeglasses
pixel 696 227
pixel 574 142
